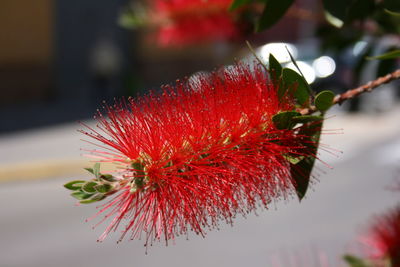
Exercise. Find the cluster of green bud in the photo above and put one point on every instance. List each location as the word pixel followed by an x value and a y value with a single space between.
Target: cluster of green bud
pixel 94 190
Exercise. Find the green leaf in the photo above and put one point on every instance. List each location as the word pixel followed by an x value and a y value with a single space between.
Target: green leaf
pixel 89 170
pixel 273 11
pixel 302 180
pixel 299 71
pixel 96 170
pixel 294 62
pixel 89 187
pixel 98 197
pixel 324 100
pixel 337 10
pixel 79 195
pixel 275 67
pixel 107 177
pixel 139 182
pixel 340 12
pixel 74 185
pixel 103 188
pixel 301 172
pixel 306 118
pixel 392 13
pixel 300 90
pixel 88 201
pixel 388 55
pixel 333 20
pixel 255 55
pixel 293 160
pixel 94 198
pixel 354 261
pixel 283 120
pixel 238 3
pixel 130 19
pixel 137 166
pixel 392 5
pixel 387 24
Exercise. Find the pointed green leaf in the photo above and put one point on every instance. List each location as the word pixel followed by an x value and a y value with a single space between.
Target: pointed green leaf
pixel 354 261
pixel 392 5
pixel 337 10
pixel 98 197
pixel 333 20
pixel 392 13
pixel 273 12
pixel 324 100
pixel 389 55
pixel 299 71
pixel 301 171
pixel 294 62
pixel 89 170
pixel 107 177
pixel 96 170
pixel 306 118
pixel 94 198
pixel 283 120
pixel 297 84
pixel 89 187
pixel 79 195
pixel 275 67
pixel 254 53
pixel 132 19
pixel 103 188
pixel 292 159
pixel 281 88
pixel 301 176
pixel 74 185
pixel 88 201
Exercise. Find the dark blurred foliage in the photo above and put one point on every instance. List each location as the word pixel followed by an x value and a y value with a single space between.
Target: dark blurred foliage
pixel 365 27
pixel 60 59
pixel 351 31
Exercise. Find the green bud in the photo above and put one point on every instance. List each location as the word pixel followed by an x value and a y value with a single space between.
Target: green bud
pixel 74 185
pixel 89 187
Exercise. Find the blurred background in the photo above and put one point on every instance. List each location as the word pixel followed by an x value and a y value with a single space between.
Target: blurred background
pixel 60 59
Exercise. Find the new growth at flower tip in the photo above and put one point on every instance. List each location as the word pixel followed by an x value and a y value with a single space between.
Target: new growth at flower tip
pixel 200 153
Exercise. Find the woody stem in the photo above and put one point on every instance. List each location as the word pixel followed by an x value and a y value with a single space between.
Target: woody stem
pixel 368 87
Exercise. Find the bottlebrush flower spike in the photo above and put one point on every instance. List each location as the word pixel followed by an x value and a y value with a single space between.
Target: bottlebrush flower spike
pixel 383 241
pixel 187 22
pixel 199 153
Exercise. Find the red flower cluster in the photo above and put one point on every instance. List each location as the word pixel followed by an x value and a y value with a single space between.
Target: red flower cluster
pixel 183 22
pixel 201 152
pixel 383 241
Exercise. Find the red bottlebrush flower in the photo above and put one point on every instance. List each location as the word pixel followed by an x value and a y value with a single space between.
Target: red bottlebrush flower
pixel 197 154
pixel 383 240
pixel 185 22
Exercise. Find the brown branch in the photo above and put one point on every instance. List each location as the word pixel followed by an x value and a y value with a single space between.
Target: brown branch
pixel 368 87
